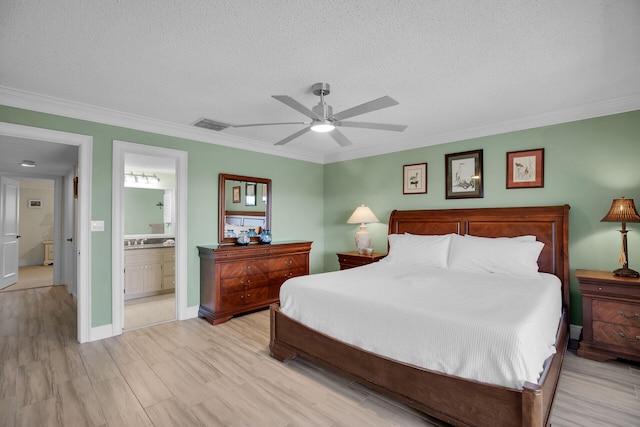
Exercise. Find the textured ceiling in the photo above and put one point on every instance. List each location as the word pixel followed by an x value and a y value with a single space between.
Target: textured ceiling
pixel 458 69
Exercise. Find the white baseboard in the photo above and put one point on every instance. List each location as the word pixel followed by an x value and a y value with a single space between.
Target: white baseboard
pixel 101 332
pixel 192 312
pixel 575 331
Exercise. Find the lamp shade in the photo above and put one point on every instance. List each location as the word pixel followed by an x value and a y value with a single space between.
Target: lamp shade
pixel 362 215
pixel 622 210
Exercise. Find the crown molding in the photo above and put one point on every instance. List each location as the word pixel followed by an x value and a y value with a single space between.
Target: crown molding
pixel 592 110
pixel 51 105
pixel 76 110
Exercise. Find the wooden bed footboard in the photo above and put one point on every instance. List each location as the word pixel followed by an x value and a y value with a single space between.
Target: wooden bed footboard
pixel 452 399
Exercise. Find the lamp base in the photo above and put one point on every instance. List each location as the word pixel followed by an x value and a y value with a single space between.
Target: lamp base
pixel 626 272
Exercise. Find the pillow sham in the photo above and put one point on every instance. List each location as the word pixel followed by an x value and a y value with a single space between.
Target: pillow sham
pixel 428 251
pixel 526 238
pixel 515 257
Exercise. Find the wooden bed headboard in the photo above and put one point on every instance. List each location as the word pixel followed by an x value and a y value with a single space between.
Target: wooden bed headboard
pixel 550 225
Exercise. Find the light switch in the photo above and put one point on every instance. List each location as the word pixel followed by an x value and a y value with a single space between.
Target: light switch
pixel 97 225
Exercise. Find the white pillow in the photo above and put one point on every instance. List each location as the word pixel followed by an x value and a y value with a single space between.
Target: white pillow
pixel 513 257
pixel 428 251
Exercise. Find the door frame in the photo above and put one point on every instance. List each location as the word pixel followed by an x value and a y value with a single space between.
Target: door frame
pixel 117 215
pixel 85 152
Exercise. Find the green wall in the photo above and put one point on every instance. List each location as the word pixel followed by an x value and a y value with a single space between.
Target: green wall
pixel 297 196
pixel 588 163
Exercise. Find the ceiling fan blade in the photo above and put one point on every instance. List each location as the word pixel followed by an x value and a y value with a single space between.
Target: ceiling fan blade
pixel 366 125
pixel 339 137
pixel 270 124
pixel 293 136
pixel 367 107
pixel 297 106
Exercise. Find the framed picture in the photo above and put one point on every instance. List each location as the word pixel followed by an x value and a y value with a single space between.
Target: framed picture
pixel 250 194
pixel 236 194
pixel 464 175
pixel 35 204
pixel 414 179
pixel 525 169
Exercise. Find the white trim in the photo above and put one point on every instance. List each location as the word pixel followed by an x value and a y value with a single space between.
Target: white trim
pixel 117 226
pixel 192 312
pixel 85 149
pixel 46 104
pixel 575 331
pixel 101 332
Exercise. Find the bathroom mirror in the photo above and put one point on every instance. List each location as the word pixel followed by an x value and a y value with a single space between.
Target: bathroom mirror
pixel 148 212
pixel 244 202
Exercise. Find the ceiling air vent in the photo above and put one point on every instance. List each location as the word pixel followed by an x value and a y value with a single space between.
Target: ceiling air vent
pixel 211 124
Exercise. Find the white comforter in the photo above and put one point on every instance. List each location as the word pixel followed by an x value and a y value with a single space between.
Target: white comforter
pixel 481 326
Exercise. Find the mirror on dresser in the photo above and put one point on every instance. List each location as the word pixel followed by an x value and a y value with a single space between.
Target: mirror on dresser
pixel 243 202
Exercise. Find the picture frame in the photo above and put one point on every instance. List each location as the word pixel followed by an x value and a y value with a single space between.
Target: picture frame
pixel 414 179
pixel 35 204
pixel 235 197
pixel 250 194
pixel 463 175
pixel 525 169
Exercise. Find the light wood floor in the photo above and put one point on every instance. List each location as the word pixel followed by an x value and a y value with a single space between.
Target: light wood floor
pixel 190 373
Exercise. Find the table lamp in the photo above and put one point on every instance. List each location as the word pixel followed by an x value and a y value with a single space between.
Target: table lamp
pixel 362 215
pixel 623 210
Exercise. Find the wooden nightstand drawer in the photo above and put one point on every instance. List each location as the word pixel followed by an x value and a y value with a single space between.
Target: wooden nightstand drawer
pixel 616 312
pixel 354 259
pixel 626 337
pixel 610 316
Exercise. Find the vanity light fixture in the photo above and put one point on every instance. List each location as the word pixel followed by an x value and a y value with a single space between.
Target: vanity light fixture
pixel 131 178
pixel 362 215
pixel 623 210
pixel 28 164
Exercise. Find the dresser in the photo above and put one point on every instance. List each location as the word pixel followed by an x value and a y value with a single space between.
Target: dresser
pixel 354 259
pixel 610 316
pixel 236 279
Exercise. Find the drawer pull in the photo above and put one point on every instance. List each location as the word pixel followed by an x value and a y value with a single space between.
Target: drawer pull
pixel 245 296
pixel 636 339
pixel 634 317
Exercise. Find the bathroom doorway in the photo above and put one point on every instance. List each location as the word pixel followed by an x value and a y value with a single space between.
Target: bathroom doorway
pixel 149 223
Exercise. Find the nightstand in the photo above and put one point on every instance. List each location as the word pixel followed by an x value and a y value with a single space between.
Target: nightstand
pixel 610 316
pixel 354 259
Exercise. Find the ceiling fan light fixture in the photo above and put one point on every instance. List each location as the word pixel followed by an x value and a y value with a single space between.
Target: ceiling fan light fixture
pixel 322 126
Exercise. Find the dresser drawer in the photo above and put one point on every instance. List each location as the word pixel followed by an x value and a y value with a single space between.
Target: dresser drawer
pixel 288 262
pixel 250 296
pixel 243 268
pixel 626 337
pixel 279 277
pixel 616 312
pixel 236 284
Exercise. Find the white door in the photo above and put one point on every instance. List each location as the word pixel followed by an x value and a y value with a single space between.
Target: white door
pixel 9 194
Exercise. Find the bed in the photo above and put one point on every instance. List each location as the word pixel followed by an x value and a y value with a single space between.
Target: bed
pixel 454 399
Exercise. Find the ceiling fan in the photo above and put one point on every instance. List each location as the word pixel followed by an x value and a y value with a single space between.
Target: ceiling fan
pixel 323 119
